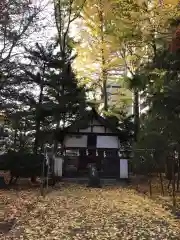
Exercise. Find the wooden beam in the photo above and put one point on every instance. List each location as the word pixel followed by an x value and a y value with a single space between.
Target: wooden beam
pixel 91 129
pixel 95 125
pixel 89 133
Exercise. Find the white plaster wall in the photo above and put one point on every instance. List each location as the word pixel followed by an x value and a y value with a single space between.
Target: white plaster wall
pixel 123 168
pixel 58 163
pixel 73 141
pixel 107 142
pixel 108 130
pixel 98 129
pixel 85 130
pixel 95 122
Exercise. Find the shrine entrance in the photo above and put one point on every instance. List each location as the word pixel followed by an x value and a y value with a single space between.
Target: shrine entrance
pixel 76 162
pixel 85 161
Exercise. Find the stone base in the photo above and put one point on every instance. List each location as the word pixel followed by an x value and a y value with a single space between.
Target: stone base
pixel 94 186
pixel 94 183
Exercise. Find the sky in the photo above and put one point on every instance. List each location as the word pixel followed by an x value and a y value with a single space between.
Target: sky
pixel 46 23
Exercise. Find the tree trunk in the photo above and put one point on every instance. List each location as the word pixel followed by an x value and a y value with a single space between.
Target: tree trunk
pixel 161 182
pixel 178 177
pixel 15 138
pixel 136 113
pixel 169 169
pixel 20 140
pixel 174 184
pixel 42 181
pixel 105 92
pixel 37 131
pixel 103 60
pixel 150 185
pixel 38 113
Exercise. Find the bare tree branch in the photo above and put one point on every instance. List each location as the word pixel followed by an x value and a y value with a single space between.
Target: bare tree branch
pixel 15 22
pixel 64 16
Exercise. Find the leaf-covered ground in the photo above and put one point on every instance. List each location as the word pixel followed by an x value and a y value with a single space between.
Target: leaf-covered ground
pixel 77 212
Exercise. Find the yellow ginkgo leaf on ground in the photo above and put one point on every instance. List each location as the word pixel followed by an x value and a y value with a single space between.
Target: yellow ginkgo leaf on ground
pixel 77 212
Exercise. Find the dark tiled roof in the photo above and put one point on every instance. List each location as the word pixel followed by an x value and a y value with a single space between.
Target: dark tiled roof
pixel 84 120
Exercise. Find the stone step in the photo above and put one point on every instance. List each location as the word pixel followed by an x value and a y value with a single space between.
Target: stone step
pixel 104 181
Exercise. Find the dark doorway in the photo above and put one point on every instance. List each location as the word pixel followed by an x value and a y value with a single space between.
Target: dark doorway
pixel 91 141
